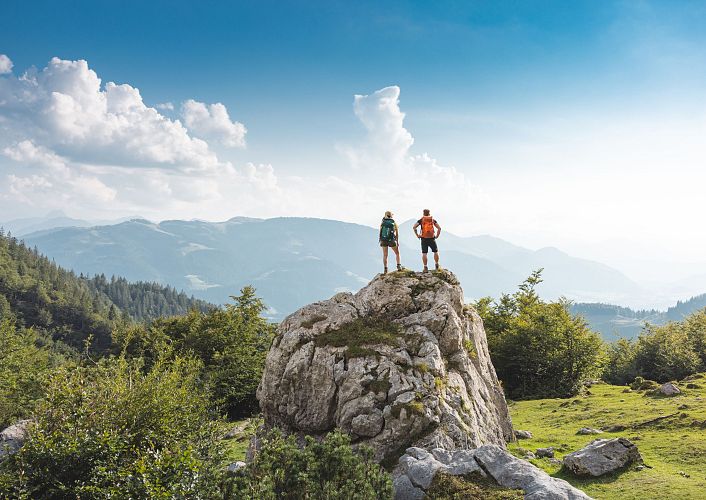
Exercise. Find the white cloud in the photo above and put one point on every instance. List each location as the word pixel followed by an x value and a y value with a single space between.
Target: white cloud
pixel 65 107
pixel 212 122
pixel 5 64
pixel 166 106
pixel 27 152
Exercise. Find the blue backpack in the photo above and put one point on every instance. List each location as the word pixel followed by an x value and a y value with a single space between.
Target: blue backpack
pixel 387 232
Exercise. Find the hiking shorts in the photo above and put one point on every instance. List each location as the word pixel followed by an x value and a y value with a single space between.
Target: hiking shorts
pixel 428 243
pixel 385 243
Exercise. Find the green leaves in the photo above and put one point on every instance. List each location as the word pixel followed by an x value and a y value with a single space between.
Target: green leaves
pixel 321 469
pixel 537 347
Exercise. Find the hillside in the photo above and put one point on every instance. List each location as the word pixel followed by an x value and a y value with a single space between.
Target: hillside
pixel 673 447
pixel 615 322
pixel 38 293
pixel 294 261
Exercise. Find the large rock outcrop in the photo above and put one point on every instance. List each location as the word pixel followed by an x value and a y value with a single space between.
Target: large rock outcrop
pixel 401 363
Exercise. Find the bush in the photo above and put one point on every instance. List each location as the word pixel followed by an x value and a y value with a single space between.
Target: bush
pixel 24 370
pixel 114 431
pixel 538 348
pixel 665 353
pixel 620 368
pixel 232 344
pixel 329 469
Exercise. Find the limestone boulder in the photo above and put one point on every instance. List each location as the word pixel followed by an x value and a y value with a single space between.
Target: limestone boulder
pixel 401 363
pixel 602 456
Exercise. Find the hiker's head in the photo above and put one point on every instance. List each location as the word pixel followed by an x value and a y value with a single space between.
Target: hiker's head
pixel 388 214
pixel 426 212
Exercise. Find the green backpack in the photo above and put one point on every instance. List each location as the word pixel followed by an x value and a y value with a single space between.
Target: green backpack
pixel 387 233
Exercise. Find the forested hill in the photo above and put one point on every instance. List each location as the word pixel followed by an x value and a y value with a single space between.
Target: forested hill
pixel 37 293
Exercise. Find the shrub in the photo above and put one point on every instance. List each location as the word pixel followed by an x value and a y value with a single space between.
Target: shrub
pixel 24 370
pixel 232 344
pixel 328 469
pixel 665 353
pixel 115 431
pixel 538 348
pixel 621 368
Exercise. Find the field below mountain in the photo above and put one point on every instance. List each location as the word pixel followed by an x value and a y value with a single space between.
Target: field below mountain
pixel 673 447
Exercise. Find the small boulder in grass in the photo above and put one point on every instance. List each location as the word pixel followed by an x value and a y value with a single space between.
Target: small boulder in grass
pixel 520 434
pixel 669 389
pixel 602 456
pixel 587 431
pixel 545 452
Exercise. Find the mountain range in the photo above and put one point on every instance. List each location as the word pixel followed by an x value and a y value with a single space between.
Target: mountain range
pixel 294 261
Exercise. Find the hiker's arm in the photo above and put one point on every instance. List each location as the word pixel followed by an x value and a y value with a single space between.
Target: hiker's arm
pixel 414 228
pixel 380 233
pixel 397 233
pixel 438 229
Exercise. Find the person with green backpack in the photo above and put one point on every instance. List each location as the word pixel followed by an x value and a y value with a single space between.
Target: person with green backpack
pixel 389 238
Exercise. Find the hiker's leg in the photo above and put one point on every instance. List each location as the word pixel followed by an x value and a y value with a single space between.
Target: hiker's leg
pixel 436 258
pixel 424 259
pixel 384 257
pixel 396 249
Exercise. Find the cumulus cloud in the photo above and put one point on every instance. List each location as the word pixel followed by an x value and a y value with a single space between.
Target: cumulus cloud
pixel 397 176
pixel 75 142
pixel 212 122
pixel 165 106
pixel 66 108
pixel 5 64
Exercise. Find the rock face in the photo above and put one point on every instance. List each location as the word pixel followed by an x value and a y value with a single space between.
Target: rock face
pixel 402 362
pixel 417 468
pixel 602 456
pixel 11 438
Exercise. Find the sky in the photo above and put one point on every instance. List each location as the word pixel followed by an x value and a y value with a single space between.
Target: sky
pixel 578 125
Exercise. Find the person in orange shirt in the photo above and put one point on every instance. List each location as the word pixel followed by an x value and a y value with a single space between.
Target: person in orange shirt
pixel 430 232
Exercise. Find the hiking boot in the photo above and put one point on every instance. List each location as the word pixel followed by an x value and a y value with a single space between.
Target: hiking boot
pixel 385 271
pixel 426 269
pixel 438 267
pixel 399 267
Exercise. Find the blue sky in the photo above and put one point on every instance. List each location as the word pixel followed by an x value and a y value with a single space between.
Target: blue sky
pixel 575 124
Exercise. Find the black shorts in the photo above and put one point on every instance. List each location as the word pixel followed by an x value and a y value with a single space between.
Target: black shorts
pixel 428 243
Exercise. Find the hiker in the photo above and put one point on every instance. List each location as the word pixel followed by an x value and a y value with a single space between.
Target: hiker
pixel 389 238
pixel 428 237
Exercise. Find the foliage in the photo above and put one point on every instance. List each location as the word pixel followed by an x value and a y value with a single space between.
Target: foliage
pixel 538 348
pixel 24 369
pixel 620 368
pixel 448 487
pixel 673 447
pixel 73 308
pixel 328 469
pixel 232 344
pixel 665 353
pixel 115 430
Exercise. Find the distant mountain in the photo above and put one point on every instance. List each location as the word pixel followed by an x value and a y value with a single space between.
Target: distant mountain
pixel 294 261
pixel 21 227
pixel 615 322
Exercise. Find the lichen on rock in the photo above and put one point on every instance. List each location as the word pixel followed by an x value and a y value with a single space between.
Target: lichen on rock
pixel 401 363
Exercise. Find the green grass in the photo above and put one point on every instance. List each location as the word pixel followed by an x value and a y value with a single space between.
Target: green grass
pixel 673 447
pixel 235 448
pixel 360 334
pixel 471 487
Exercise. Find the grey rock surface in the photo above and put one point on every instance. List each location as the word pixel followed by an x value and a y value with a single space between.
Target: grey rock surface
pixel 12 438
pixel 512 472
pixel 520 434
pixel 545 452
pixel 587 431
pixel 602 456
pixel 419 374
pixel 416 470
pixel 669 389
